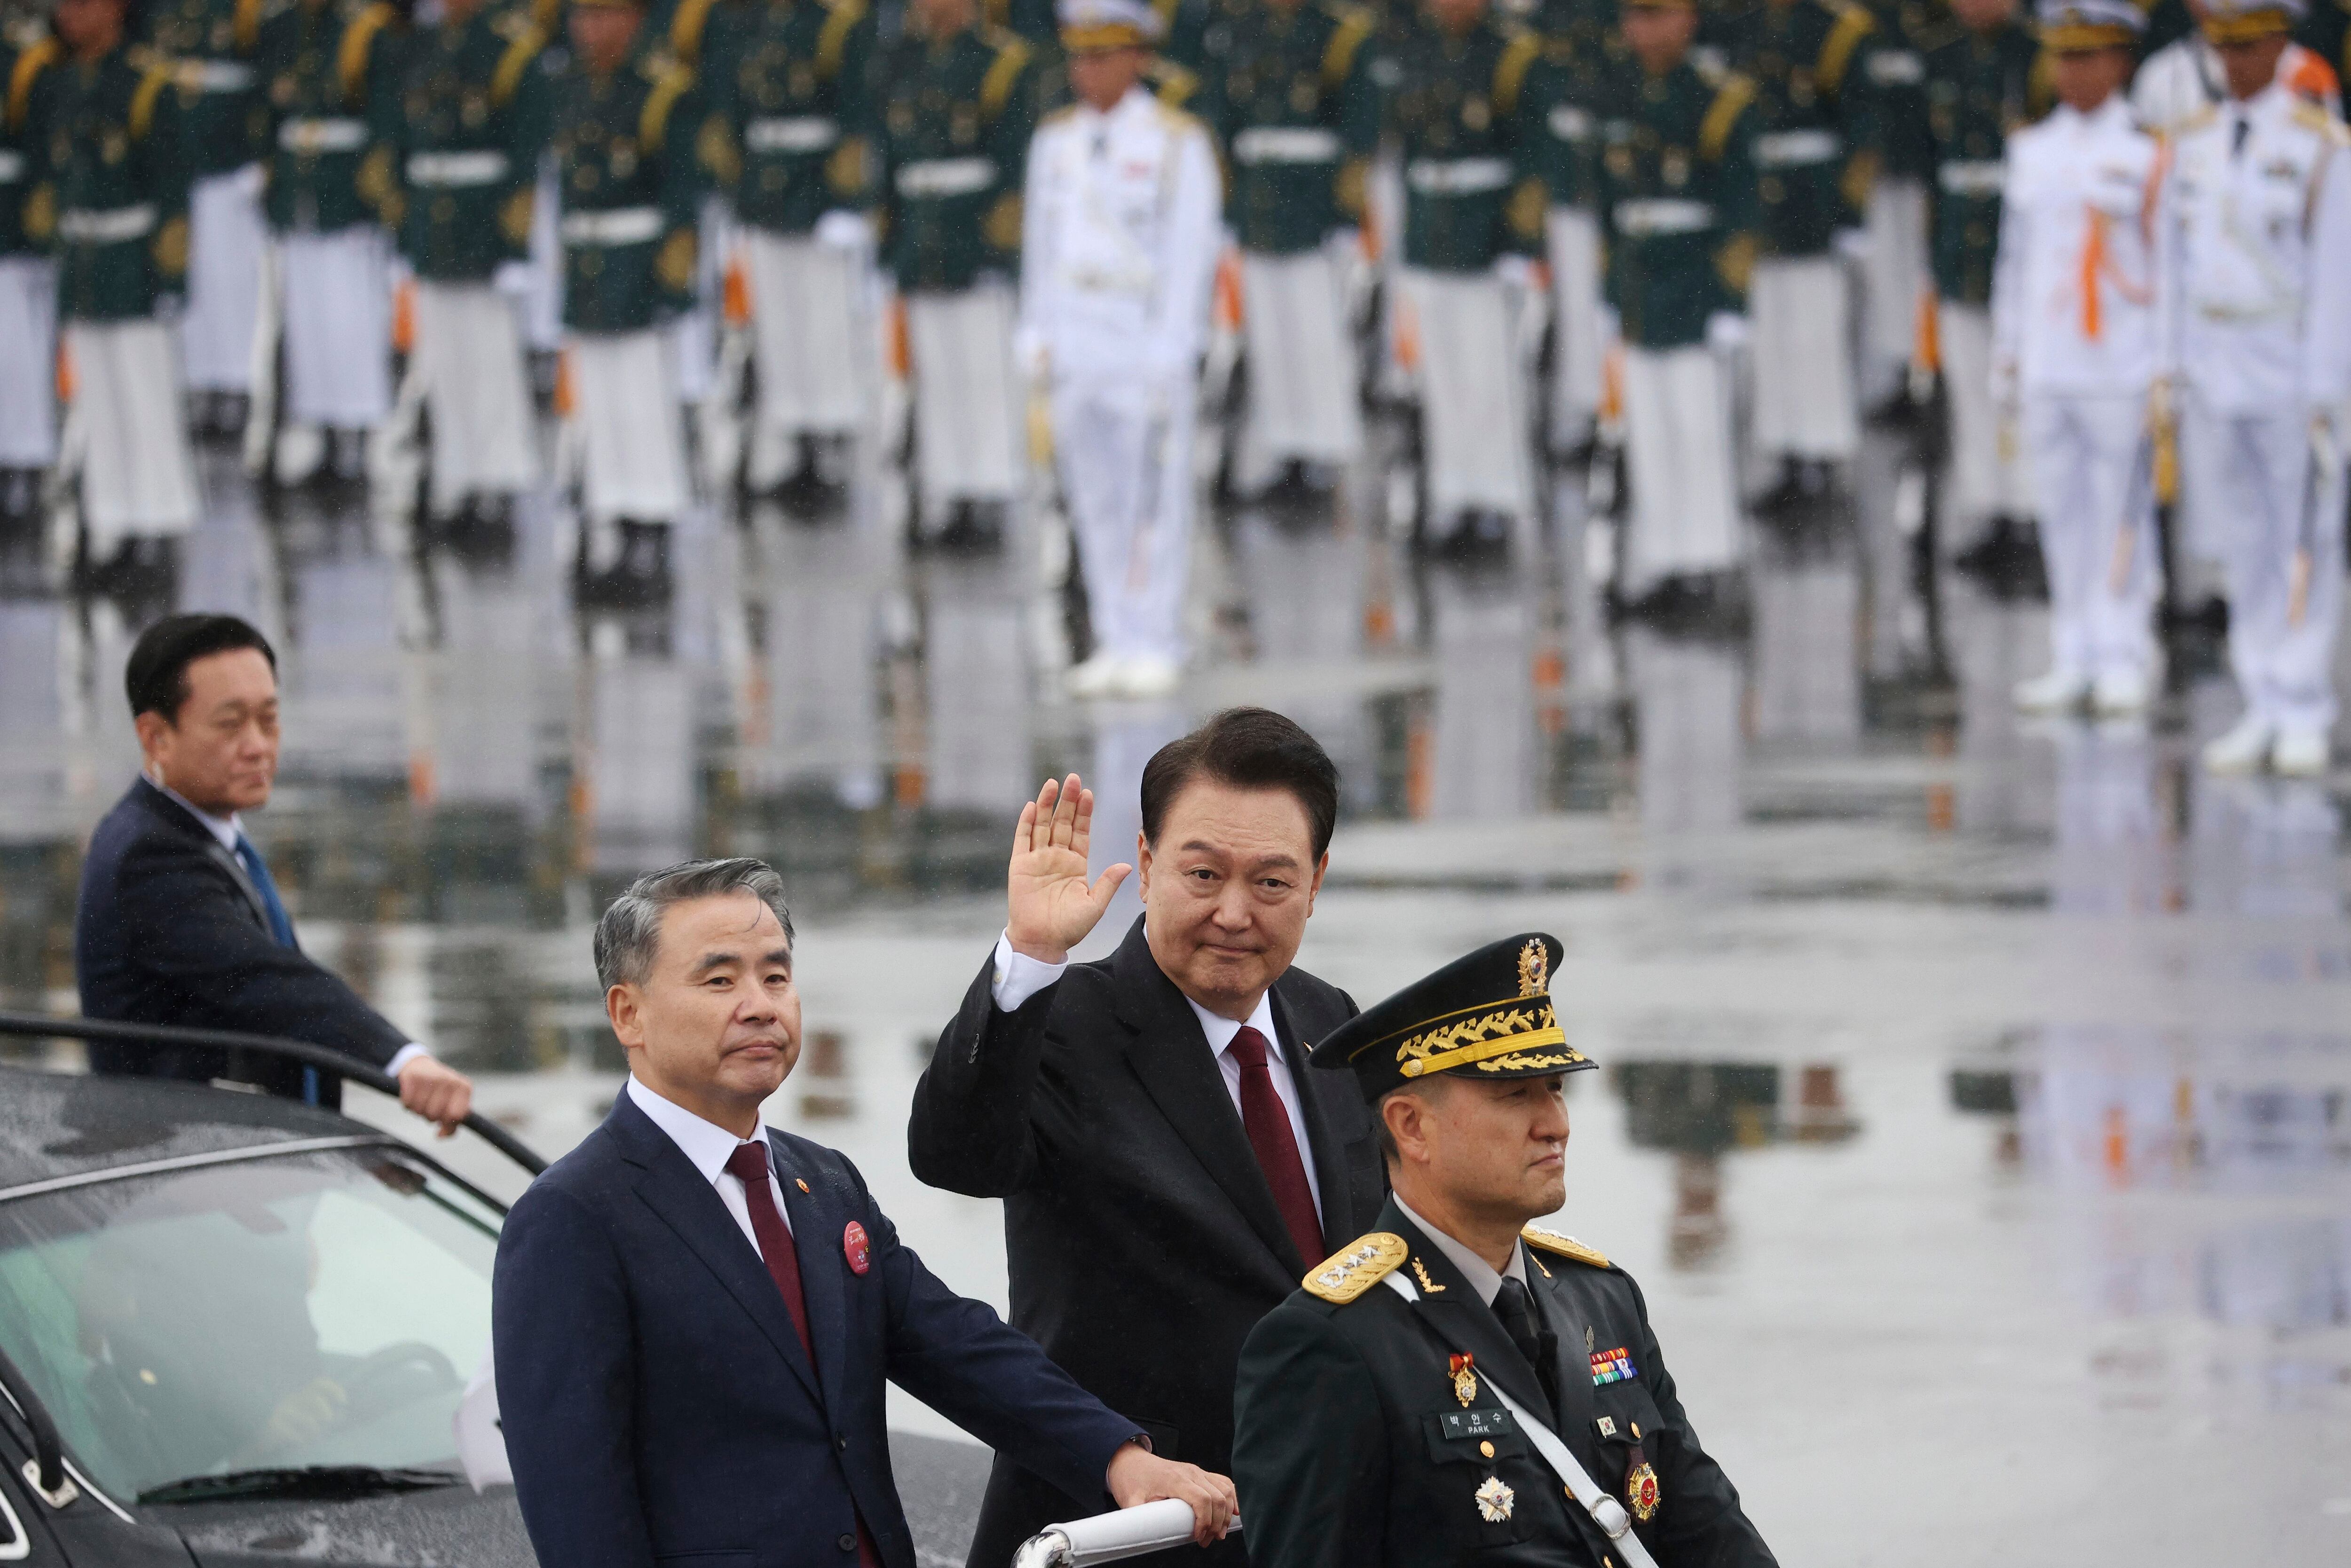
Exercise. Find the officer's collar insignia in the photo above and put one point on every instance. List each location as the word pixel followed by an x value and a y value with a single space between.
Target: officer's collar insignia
pixel 1641 1493
pixel 1428 1286
pixel 1464 1371
pixel 1494 1501
pixel 1566 1246
pixel 1362 1264
pixel 1611 1367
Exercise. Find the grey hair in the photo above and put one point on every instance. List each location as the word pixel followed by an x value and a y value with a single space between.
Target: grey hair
pixel 630 932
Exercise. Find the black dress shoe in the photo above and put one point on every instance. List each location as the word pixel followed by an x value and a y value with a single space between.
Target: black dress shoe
pixel 972 527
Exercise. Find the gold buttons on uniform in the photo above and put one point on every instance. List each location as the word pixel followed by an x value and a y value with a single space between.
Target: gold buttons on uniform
pixel 1487 1449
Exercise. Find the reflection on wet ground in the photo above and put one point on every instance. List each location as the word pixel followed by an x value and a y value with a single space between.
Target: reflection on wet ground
pixel 1976 1102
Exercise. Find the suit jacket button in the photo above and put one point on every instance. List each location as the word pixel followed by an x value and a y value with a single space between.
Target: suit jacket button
pixel 847 1544
pixel 840 1442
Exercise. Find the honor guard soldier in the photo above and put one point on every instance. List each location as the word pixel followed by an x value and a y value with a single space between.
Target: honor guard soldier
pixel 1461 1385
pixel 2261 256
pixel 1981 87
pixel 1561 105
pixel 1677 200
pixel 224 122
pixel 110 194
pixel 959 103
pixel 2077 309
pixel 472 126
pixel 324 72
pixel 796 109
pixel 1810 170
pixel 1118 254
pixel 623 143
pixel 1288 94
pixel 1897 170
pixel 1467 213
pixel 2176 85
pixel 28 296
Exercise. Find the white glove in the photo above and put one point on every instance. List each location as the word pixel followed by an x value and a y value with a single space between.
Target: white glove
pixel 515 278
pixel 1031 356
pixel 841 229
pixel 1725 331
pixel 1517 271
pixel 1611 326
pixel 1853 243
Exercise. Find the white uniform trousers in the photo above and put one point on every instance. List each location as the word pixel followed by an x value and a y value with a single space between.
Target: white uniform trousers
pixel 811 340
pixel 1573 238
pixel 540 284
pixel 631 438
pixel 469 362
pixel 967 424
pixel 225 237
pixel 1301 373
pixel 1123 444
pixel 1805 405
pixel 138 476
pixel 2259 484
pixel 1680 465
pixel 1893 276
pixel 2090 460
pixel 1474 429
pixel 28 361
pixel 693 336
pixel 337 304
pixel 1988 474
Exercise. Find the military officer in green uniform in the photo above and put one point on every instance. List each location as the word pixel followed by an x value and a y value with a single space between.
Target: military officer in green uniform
pixel 1461 1384
pixel 324 71
pixel 623 143
pixel 1288 94
pixel 109 192
pixel 224 125
pixel 1560 111
pixel 1896 170
pixel 29 297
pixel 1677 199
pixel 1472 223
pixel 462 165
pixel 1982 84
pixel 1811 170
pixel 957 103
pixel 796 92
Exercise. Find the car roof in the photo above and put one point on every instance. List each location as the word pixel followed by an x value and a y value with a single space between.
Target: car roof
pixel 62 1124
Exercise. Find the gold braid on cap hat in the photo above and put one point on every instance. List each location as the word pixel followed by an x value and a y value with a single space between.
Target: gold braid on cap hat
pixel 1497 1037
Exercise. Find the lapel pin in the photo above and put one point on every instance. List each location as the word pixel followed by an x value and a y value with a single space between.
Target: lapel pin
pixel 856 1249
pixel 800 1183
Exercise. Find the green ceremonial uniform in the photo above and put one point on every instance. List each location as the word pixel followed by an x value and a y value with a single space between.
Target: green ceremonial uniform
pixel 1890 107
pixel 1678 202
pixel 624 156
pixel 20 69
pixel 324 73
pixel 110 188
pixel 1561 103
pixel 1979 89
pixel 794 91
pixel 952 150
pixel 1454 115
pixel 464 158
pixel 1286 95
pixel 1812 171
pixel 1368 1431
pixel 213 45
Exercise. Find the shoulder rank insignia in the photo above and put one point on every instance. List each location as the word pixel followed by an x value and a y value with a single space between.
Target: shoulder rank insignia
pixel 1365 1261
pixel 1565 1246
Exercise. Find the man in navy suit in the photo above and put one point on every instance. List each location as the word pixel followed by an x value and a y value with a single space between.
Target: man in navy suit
pixel 180 921
pixel 695 1316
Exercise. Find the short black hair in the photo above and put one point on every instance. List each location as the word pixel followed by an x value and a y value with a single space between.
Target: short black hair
pixel 1249 748
pixel 156 678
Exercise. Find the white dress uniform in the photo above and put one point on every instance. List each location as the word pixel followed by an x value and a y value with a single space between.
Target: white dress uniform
pixel 226 237
pixel 1118 253
pixel 2075 312
pixel 2262 333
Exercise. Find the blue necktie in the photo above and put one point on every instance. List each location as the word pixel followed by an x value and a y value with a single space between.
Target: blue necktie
pixel 281 927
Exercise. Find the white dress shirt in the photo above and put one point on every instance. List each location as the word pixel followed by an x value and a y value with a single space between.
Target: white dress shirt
pixel 1019 978
pixel 708 1147
pixel 1474 1269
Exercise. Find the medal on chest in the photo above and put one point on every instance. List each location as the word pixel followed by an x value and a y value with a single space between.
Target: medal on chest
pixel 1495 1499
pixel 1464 1372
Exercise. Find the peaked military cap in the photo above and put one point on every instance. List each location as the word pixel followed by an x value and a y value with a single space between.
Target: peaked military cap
pixel 2069 26
pixel 1106 24
pixel 1488 1015
pixel 2244 21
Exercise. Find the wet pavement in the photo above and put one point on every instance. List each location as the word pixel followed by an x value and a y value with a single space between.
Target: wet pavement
pixel 1976 1103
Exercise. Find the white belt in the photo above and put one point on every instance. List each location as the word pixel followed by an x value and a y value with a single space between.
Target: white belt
pixel 323 135
pixel 1971 176
pixel 216 76
pixel 1663 216
pixel 1789 148
pixel 83 225
pixel 945 177
pixel 2244 313
pixel 1569 124
pixel 621 226
pixel 1458 176
pixel 455 171
pixel 1286 144
pixel 1606 1512
pixel 799 133
pixel 1897 67
pixel 1139 281
pixel 11 167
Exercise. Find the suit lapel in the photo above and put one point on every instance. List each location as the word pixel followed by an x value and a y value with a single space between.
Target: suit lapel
pixel 1171 1056
pixel 1327 1137
pixel 817 1236
pixel 1459 1318
pixel 164 808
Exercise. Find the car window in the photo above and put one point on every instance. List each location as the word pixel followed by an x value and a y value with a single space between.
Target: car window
pixel 318 1309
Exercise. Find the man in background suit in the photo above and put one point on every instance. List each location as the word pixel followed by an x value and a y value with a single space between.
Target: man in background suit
pixel 1169 1163
pixel 695 1316
pixel 180 922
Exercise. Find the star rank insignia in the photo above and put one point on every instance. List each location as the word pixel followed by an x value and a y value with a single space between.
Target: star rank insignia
pixel 1464 1371
pixel 1495 1499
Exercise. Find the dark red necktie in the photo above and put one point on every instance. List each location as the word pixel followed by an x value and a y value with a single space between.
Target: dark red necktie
pixel 1275 1145
pixel 749 1164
